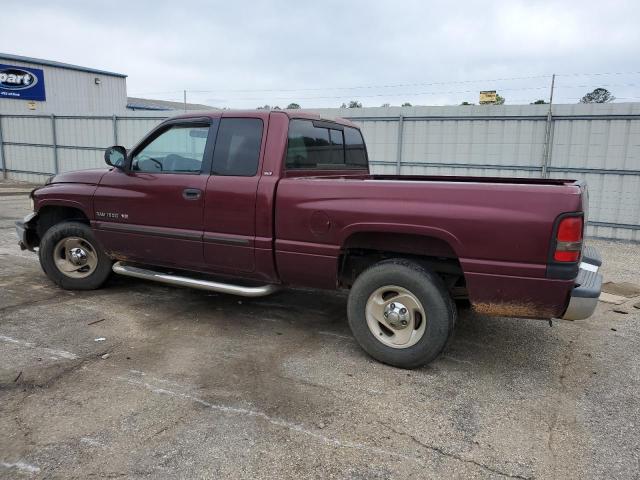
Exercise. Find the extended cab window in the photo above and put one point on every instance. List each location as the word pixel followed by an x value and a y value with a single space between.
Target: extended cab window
pixel 237 147
pixel 356 155
pixel 179 149
pixel 323 147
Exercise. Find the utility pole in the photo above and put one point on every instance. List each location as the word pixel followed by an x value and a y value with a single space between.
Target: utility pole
pixel 185 100
pixel 548 134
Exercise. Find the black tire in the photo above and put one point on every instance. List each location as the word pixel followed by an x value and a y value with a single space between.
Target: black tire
pixel 48 243
pixel 427 287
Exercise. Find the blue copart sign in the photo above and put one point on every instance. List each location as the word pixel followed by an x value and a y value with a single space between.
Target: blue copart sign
pixel 21 83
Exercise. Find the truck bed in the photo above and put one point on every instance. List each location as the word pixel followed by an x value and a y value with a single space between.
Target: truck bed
pixel 498 229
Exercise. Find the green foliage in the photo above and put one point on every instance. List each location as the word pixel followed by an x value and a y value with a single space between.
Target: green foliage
pixel 293 106
pixel 538 102
pixel 406 104
pixel 499 100
pixel 355 104
pixel 599 95
pixel 467 103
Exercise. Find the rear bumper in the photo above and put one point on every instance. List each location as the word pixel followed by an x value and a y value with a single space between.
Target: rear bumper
pixel 25 230
pixel 588 285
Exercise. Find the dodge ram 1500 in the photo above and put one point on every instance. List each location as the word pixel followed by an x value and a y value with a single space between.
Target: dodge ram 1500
pixel 249 202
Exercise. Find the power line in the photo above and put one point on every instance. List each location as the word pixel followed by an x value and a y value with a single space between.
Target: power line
pixel 405 94
pixel 361 87
pixel 427 93
pixel 595 74
pixel 397 85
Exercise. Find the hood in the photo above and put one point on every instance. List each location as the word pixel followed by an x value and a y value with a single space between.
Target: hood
pixel 91 177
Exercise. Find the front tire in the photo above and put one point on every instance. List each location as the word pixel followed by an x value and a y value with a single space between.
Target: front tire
pixel 72 258
pixel 401 313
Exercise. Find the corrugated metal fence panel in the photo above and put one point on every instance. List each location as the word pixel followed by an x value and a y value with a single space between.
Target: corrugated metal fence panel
pixel 70 159
pixel 130 131
pixel 481 142
pixel 381 138
pixel 29 158
pixel 84 132
pixel 613 232
pixel 26 130
pixel 466 171
pixel 383 169
pixel 478 140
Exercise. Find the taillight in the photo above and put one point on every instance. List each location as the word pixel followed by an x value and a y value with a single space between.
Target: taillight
pixel 568 240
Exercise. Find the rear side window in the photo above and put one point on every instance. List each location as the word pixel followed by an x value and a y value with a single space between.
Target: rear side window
pixel 356 154
pixel 237 148
pixel 323 147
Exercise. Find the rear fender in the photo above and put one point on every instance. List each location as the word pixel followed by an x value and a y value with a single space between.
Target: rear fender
pixel 394 228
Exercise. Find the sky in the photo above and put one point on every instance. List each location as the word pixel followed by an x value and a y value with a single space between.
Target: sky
pixel 245 54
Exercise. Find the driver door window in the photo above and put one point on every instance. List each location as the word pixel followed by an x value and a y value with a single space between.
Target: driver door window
pixel 177 150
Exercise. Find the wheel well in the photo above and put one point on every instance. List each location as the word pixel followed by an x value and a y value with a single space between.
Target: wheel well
pixel 365 249
pixel 51 215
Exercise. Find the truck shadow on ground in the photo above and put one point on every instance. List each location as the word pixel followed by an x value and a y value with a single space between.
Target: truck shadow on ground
pixel 506 345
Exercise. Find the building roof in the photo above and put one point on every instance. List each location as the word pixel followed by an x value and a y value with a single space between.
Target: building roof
pixel 134 103
pixel 51 63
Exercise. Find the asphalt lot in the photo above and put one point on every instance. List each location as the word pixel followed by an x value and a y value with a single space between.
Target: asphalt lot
pixel 202 385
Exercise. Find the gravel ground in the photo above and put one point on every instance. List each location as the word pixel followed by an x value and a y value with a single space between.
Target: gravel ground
pixel 190 384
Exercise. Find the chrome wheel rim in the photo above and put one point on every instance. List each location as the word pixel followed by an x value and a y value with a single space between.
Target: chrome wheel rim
pixel 395 317
pixel 75 257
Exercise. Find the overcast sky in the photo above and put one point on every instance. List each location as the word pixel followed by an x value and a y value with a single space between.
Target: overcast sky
pixel 245 54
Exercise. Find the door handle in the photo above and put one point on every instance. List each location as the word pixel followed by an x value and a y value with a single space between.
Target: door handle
pixel 191 193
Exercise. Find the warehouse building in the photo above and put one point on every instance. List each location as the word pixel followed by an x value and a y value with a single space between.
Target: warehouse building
pixel 31 85
pixel 44 87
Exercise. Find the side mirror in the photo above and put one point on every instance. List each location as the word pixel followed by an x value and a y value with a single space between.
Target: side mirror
pixel 115 156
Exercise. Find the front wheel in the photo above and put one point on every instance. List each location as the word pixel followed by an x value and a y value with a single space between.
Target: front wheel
pixel 401 313
pixel 72 258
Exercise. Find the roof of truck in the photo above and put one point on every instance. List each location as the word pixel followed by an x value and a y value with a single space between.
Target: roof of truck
pixel 264 114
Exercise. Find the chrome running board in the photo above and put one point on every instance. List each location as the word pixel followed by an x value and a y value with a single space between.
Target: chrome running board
pixel 137 272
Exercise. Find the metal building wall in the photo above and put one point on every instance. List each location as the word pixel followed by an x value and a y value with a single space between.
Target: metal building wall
pixel 71 92
pixel 596 143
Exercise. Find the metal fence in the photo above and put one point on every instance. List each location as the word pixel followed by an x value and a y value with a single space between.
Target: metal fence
pixel 597 143
pixel 33 147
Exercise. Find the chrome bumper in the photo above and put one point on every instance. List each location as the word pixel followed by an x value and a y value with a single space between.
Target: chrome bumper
pixel 585 293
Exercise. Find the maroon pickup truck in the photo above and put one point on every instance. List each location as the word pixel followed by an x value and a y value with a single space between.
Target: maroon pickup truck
pixel 248 202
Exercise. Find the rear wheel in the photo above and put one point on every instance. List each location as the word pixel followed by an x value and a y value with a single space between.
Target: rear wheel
pixel 72 258
pixel 401 313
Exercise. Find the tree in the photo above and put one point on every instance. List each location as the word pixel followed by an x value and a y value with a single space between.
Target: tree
pixel 355 104
pixel 385 105
pixel 344 105
pixel 499 100
pixel 265 107
pixel 293 106
pixel 538 102
pixel 406 104
pixel 599 95
pixel 467 103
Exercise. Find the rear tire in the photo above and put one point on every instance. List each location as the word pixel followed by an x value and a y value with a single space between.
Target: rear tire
pixel 72 258
pixel 401 313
